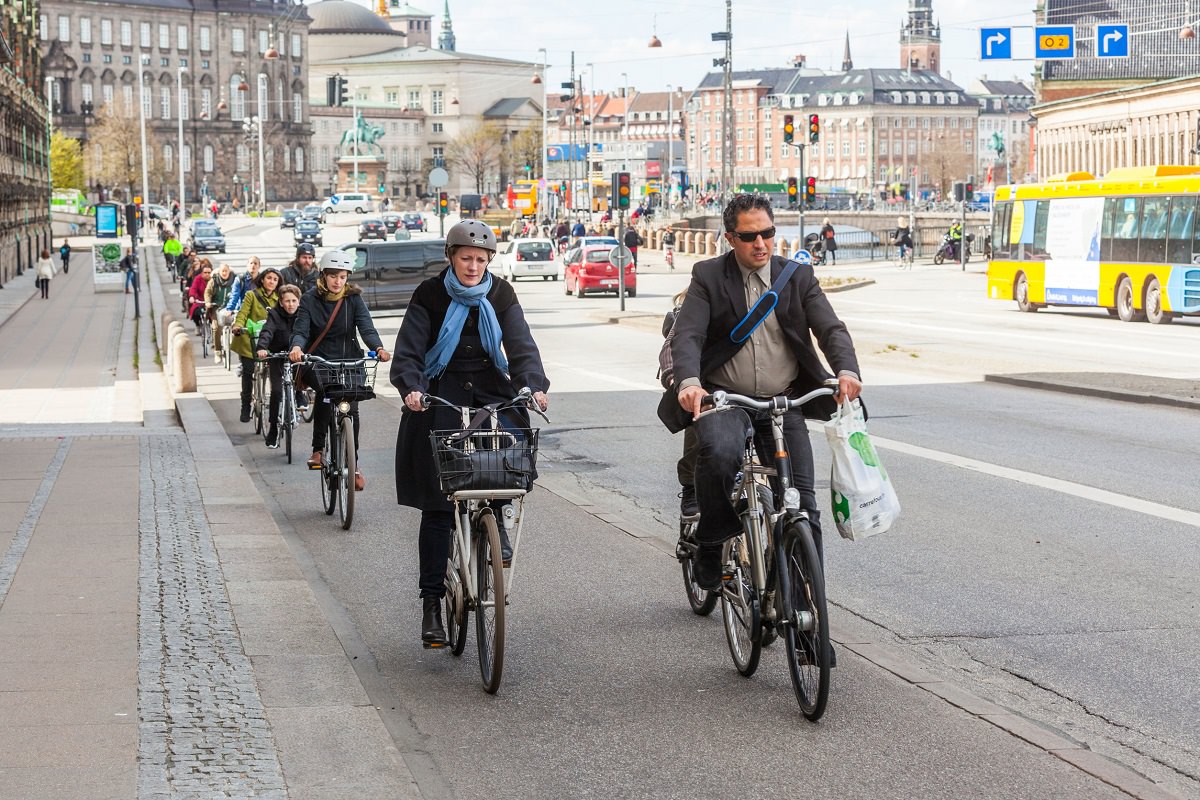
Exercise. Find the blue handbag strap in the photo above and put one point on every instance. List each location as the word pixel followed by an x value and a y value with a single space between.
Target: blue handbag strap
pixel 740 334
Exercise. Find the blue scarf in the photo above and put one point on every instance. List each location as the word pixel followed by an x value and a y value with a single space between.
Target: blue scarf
pixel 462 300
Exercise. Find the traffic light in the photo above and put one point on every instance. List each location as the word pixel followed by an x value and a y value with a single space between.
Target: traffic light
pixel 131 219
pixel 622 190
pixel 789 128
pixel 443 203
pixel 814 128
pixel 793 191
pixel 810 191
pixel 528 168
pixel 959 191
pixel 969 189
pixel 343 95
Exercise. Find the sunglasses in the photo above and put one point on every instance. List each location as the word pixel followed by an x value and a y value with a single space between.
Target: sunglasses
pixel 750 236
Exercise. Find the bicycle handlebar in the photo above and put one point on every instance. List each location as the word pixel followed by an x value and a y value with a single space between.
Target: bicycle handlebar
pixel 524 399
pixel 350 362
pixel 722 398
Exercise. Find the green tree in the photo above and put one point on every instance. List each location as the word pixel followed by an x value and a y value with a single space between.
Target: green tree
pixel 66 162
pixel 477 151
pixel 116 157
pixel 525 147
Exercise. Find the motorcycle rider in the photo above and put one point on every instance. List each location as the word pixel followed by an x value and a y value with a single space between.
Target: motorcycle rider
pixel 956 234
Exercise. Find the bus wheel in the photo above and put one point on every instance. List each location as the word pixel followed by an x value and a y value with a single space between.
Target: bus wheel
pixel 1125 309
pixel 1022 294
pixel 1153 305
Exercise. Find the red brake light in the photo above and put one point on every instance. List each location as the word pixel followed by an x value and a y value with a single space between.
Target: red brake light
pixel 519 256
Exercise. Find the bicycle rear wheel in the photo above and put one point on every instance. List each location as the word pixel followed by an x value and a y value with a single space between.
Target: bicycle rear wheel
pixel 806 628
pixel 456 604
pixel 329 482
pixel 257 403
pixel 489 612
pixel 701 601
pixel 348 463
pixel 206 335
pixel 740 611
pixel 287 420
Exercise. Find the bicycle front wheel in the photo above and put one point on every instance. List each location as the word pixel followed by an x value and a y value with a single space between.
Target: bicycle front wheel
pixel 258 404
pixel 287 419
pixel 489 612
pixel 328 473
pixel 227 347
pixel 740 611
pixel 701 601
pixel 806 621
pixel 205 336
pixel 348 463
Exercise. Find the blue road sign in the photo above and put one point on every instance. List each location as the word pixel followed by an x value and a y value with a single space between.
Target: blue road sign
pixel 1112 41
pixel 995 44
pixel 1053 41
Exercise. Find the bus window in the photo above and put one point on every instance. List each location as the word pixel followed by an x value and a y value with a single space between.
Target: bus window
pixel 1037 251
pixel 1153 245
pixel 1112 207
pixel 1179 236
pixel 1001 248
pixel 1125 230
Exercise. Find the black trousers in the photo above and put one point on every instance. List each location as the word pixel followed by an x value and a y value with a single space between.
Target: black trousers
pixel 433 545
pixel 247 378
pixel 722 439
pixel 322 413
pixel 275 374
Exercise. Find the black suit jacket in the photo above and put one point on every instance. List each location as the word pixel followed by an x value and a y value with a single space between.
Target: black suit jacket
pixel 716 302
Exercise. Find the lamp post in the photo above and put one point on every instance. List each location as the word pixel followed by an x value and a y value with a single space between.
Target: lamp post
pixel 143 60
pixel 726 36
pixel 625 125
pixel 589 122
pixel 252 126
pixel 179 89
pixel 545 188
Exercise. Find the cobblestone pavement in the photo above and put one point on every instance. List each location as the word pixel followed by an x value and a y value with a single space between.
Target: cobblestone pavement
pixel 203 730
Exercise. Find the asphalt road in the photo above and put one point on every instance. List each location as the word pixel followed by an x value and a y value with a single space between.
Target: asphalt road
pixel 1046 561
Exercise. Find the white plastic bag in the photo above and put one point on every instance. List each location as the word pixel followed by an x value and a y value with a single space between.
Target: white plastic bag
pixel 864 502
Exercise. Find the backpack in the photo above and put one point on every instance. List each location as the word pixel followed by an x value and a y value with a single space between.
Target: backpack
pixel 666 364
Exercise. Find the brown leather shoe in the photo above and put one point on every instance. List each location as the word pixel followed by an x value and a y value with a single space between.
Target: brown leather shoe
pixel 315 462
pixel 360 482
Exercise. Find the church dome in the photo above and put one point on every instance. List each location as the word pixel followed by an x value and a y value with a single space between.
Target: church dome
pixel 342 16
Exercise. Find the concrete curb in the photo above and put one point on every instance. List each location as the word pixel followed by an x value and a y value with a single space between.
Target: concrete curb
pixel 1054 742
pixel 1069 387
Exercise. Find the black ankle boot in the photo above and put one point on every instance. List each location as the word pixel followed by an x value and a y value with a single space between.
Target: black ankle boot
pixel 245 417
pixel 432 632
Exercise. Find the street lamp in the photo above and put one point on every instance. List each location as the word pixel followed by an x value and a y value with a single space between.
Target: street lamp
pixel 179 89
pixel 726 36
pixel 143 61
pixel 625 125
pixel 545 186
pixel 253 126
pixel 589 122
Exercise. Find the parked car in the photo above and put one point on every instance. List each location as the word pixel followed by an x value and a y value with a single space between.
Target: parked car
pixel 391 221
pixel 522 258
pixel 372 228
pixel 288 218
pixel 206 236
pixel 389 272
pixel 414 221
pixel 156 211
pixel 358 202
pixel 572 251
pixel 308 231
pixel 591 272
pixel 313 212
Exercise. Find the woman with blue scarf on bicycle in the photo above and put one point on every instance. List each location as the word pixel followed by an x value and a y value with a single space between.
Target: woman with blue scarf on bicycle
pixel 464 338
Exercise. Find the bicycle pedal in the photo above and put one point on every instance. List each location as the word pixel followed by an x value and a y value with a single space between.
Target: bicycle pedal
pixel 433 645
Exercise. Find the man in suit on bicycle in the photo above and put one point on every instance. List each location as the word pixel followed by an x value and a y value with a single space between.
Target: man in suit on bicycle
pixel 777 358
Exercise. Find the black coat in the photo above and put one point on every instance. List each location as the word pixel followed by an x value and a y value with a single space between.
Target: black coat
pixel 827 238
pixel 291 274
pixel 341 341
pixel 470 379
pixel 276 333
pixel 716 302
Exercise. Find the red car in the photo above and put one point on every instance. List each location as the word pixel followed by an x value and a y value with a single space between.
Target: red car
pixel 591 272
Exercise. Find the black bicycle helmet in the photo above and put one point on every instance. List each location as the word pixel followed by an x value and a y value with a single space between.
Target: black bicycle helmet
pixel 306 249
pixel 470 233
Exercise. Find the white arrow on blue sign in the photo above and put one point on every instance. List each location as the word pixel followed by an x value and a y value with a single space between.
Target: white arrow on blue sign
pixel 995 44
pixel 1112 41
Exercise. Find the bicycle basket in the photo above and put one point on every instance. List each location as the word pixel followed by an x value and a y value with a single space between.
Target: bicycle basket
pixel 484 460
pixel 340 382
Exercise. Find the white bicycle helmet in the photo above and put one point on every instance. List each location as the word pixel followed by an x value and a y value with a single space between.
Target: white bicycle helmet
pixel 337 260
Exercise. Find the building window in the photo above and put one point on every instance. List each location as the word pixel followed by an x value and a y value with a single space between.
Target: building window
pixel 187 158
pixel 165 103
pixel 205 103
pixel 297 50
pixel 106 31
pixel 298 162
pixel 437 127
pixel 126 33
pixel 967 123
pixel 845 147
pixel 438 155
pixel 204 63
pixel 264 41
pixel 106 96
pixel 185 103
pixel 437 102
pixel 85 30
pixel 208 158
pixel 954 122
pixel 143 35
pixel 127 100
pixel 967 145
pixel 297 107
pixel 287 159
pixel 238 40
pixel 182 41
pixel 126 59
pixel 243 158
pixel 87 58
pixel 205 38
pixel 43 27
pixel 64 28
pixel 862 147
pixel 168 157
pixel 85 92
pixel 391 96
pixel 164 37
pixel 829 149
pixel 147 100
pixel 164 62
pixel 414 98
pixel 912 147
pixel 237 100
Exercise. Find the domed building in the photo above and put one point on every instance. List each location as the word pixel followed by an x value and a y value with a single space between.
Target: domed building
pixel 422 96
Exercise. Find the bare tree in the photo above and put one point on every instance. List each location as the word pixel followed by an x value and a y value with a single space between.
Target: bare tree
pixel 525 147
pixel 116 154
pixel 947 163
pixel 476 151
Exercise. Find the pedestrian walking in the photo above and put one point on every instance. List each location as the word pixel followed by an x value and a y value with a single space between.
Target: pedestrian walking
pixel 45 271
pixel 64 253
pixel 129 267
pixel 633 241
pixel 827 236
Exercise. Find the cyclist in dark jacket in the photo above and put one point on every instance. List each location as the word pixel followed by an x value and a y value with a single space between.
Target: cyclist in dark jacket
pixel 301 270
pixel 340 342
pixel 276 337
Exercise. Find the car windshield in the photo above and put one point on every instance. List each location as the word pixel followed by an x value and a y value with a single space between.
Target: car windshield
pixel 291 212
pixel 597 256
pixel 412 217
pixel 313 209
pixel 307 225
pixel 207 230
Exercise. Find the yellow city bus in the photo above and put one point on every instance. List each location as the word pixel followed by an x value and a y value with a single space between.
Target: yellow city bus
pixel 1128 242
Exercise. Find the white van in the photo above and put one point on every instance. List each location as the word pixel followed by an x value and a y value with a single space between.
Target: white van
pixel 358 202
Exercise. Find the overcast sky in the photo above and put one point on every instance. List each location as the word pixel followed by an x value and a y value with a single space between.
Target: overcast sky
pixel 613 35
